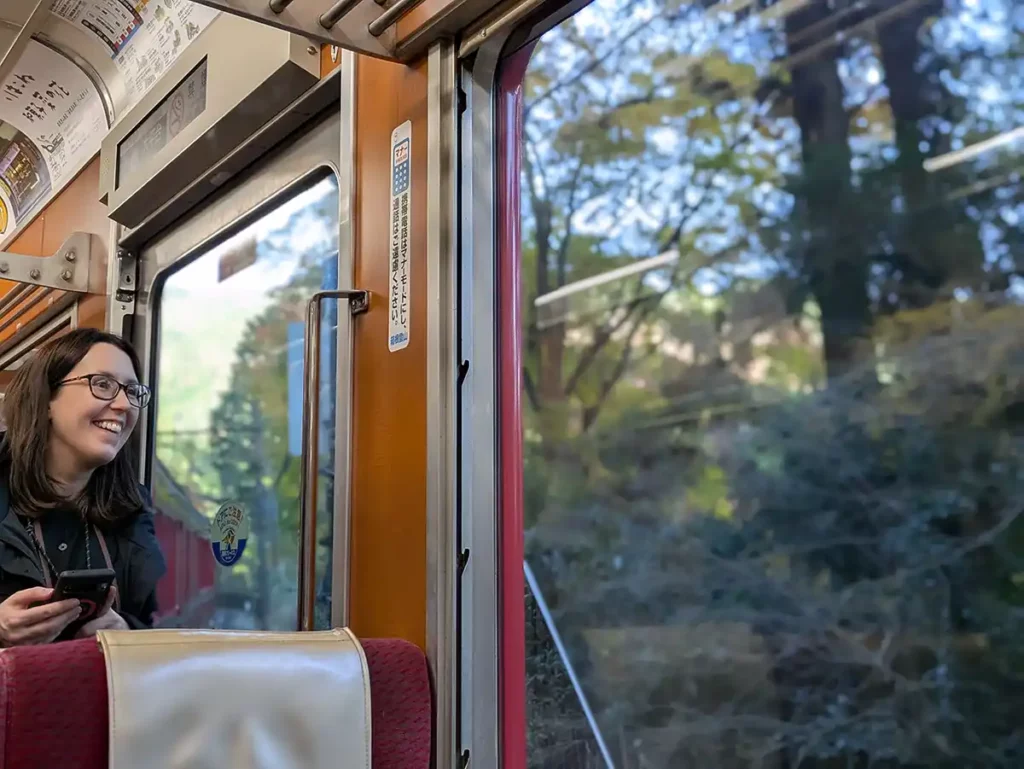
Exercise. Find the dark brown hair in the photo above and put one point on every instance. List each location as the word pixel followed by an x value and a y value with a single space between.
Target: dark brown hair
pixel 112 495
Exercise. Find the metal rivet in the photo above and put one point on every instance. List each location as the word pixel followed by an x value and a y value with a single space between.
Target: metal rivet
pixel 312 50
pixel 70 256
pixel 34 274
pixel 62 546
pixel 4 267
pixel 66 274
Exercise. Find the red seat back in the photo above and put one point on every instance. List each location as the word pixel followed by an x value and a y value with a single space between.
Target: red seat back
pixel 53 706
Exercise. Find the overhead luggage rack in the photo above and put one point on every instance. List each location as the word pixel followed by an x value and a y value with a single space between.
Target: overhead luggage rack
pixel 363 26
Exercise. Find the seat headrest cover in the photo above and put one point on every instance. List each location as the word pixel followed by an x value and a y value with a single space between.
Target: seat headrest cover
pixel 237 700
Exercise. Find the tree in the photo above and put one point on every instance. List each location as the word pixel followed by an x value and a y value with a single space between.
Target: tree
pixel 772 484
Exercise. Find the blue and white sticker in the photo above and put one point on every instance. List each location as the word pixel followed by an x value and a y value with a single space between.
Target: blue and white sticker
pixel 399 286
pixel 229 532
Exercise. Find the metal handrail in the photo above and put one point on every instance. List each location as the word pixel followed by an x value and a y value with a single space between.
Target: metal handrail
pixel 358 302
pixel 333 15
pixel 380 25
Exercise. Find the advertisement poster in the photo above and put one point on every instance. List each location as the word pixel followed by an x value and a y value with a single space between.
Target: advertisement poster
pixel 5 213
pixel 51 123
pixel 113 22
pixel 23 173
pixel 52 118
pixel 144 37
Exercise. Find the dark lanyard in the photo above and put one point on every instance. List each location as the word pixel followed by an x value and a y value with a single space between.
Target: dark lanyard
pixel 48 579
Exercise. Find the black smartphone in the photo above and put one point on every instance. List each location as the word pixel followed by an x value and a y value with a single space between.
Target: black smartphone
pixel 90 586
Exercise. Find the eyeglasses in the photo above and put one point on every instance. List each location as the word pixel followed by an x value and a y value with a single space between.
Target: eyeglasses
pixel 106 388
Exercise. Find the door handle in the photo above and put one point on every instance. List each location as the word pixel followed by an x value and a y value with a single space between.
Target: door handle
pixel 309 464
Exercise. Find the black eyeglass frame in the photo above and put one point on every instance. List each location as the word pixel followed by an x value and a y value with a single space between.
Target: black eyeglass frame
pixel 139 402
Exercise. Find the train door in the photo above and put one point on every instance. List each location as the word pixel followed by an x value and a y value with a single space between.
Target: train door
pixel 221 323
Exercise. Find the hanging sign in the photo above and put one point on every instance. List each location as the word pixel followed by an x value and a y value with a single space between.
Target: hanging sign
pixel 112 22
pixel 143 37
pixel 229 532
pixel 51 124
pixel 401 211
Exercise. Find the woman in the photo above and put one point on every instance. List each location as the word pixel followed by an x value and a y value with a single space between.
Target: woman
pixel 69 495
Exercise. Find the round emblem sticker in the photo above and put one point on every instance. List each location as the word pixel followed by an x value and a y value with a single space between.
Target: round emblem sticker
pixel 229 532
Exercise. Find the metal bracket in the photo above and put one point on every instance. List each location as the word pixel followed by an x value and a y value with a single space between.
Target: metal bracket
pixel 127 270
pixel 121 304
pixel 358 301
pixel 70 269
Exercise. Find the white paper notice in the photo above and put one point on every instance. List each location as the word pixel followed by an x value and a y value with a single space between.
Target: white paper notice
pixel 399 286
pixel 52 124
pixel 144 36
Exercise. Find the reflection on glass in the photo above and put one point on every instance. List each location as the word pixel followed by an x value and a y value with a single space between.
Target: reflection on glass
pixel 229 407
pixel 774 385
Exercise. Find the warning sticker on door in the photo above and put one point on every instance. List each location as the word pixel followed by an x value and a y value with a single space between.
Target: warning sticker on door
pixel 401 211
pixel 229 531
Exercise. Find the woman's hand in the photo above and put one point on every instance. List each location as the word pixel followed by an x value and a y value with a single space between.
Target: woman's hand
pixel 23 623
pixel 107 619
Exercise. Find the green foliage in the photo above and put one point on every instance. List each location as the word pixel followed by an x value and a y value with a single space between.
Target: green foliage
pixel 773 485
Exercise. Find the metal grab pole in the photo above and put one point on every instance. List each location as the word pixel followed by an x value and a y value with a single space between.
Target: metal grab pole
pixel 378 26
pixel 309 464
pixel 333 15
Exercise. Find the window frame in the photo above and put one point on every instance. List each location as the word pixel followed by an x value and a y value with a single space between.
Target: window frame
pixel 492 584
pixel 324 149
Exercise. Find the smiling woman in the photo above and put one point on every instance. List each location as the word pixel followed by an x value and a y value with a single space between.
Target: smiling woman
pixel 68 490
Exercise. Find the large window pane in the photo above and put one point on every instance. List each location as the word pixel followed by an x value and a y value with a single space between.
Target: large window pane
pixel 773 385
pixel 231 326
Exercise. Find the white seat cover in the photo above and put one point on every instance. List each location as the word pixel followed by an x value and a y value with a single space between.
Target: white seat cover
pixel 192 699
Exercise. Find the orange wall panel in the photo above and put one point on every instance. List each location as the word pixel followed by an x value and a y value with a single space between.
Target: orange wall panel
pixel 30 241
pixel 330 59
pixel 389 462
pixel 75 209
pixel 92 311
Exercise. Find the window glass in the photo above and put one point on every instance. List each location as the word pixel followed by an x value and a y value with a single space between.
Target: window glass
pixel 229 413
pixel 773 404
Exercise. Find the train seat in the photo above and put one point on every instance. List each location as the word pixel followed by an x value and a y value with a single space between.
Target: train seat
pixel 54 706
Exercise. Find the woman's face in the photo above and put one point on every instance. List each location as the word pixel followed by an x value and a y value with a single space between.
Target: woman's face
pixel 85 430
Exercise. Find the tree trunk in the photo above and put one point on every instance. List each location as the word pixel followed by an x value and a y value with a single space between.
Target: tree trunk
pixel 835 266
pixel 940 242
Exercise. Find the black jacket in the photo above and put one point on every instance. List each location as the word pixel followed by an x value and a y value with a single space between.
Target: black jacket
pixel 134 551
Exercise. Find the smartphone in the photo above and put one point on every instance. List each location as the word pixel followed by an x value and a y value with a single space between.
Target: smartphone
pixel 90 586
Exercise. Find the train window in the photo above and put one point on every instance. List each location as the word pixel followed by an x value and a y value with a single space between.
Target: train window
pixel 773 407
pixel 229 411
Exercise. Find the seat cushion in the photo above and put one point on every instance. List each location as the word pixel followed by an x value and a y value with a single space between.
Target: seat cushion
pixel 53 706
pixel 400 703
pixel 53 701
